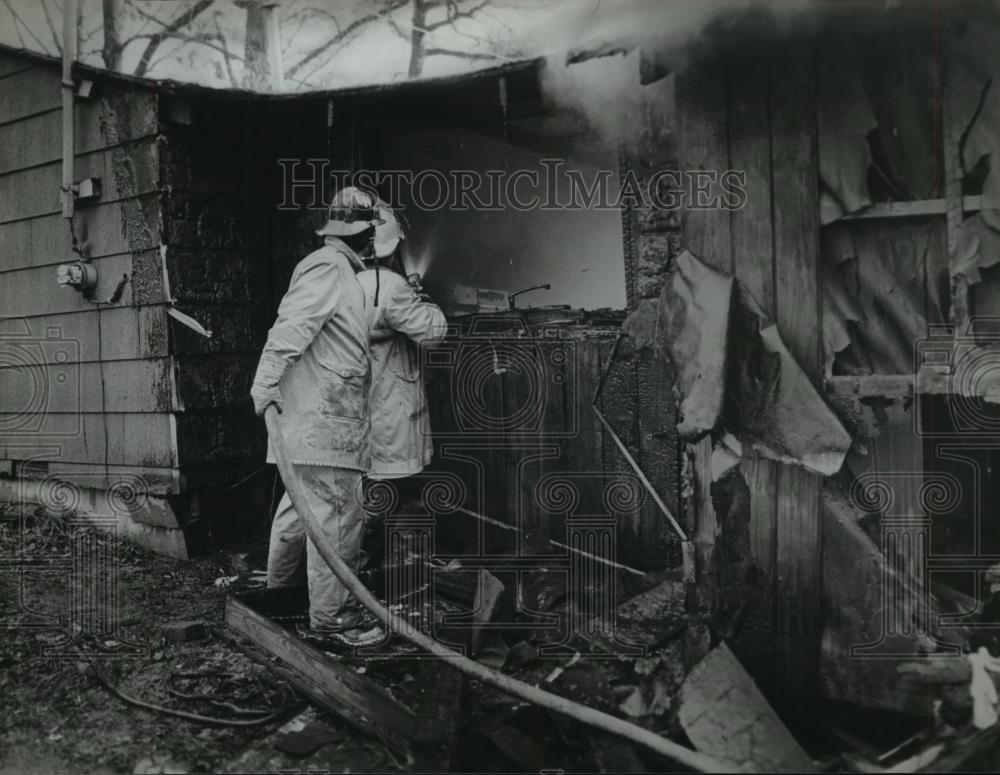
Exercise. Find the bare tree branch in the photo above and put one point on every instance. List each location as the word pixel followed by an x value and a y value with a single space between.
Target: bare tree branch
pixel 18 23
pixel 52 26
pixel 417 33
pixel 171 30
pixel 225 50
pixel 302 19
pixel 201 38
pixel 339 37
pixel 147 16
pixel 111 51
pixel 452 14
pixel 16 26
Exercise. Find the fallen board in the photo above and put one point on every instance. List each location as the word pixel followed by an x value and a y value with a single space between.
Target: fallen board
pixel 353 697
pixel 726 717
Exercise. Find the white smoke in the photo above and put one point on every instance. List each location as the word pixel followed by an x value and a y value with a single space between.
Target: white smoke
pixel 597 70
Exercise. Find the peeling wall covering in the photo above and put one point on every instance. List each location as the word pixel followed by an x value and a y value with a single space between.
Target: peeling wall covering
pixel 885 281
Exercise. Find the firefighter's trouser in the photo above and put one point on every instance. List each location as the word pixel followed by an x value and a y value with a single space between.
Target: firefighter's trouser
pixel 335 497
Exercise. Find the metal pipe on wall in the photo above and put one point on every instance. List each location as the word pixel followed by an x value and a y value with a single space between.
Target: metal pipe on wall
pixel 68 96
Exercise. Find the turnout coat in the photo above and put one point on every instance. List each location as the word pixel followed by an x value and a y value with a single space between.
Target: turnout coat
pixel 399 325
pixel 317 354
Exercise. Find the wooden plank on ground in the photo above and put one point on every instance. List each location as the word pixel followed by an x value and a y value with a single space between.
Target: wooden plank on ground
pixel 353 697
pixel 726 717
pixel 797 314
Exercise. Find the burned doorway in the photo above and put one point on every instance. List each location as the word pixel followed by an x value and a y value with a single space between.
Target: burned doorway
pixel 512 392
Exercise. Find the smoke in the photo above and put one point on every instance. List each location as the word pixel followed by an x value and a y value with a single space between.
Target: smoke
pixel 606 91
pixel 615 71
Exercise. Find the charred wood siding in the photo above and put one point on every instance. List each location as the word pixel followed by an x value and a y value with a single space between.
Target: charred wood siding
pixel 229 253
pixel 559 464
pixel 121 388
pixel 218 253
pixel 759 116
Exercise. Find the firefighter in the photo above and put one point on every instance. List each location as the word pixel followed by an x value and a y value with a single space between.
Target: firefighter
pixel 400 321
pixel 316 369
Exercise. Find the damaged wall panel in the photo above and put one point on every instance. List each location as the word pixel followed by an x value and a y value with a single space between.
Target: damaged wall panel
pixel 750 147
pixel 796 270
pixel 777 254
pixel 883 283
pixel 703 144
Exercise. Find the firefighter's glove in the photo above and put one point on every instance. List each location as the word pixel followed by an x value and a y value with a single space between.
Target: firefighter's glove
pixel 265 385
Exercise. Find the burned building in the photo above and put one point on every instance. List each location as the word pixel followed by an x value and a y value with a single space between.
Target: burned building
pixel 751 351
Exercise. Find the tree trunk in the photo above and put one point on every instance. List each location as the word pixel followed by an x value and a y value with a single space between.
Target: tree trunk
pixel 258 66
pixel 111 52
pixel 417 38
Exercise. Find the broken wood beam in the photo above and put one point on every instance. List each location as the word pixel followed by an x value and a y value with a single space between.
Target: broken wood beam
pixel 936 382
pixel 338 689
pixel 917 208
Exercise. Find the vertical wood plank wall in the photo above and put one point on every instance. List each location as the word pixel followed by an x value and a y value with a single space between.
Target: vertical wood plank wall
pixel 569 444
pixel 116 389
pixel 760 118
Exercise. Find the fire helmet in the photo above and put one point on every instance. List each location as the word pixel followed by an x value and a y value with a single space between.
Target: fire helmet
pixel 351 212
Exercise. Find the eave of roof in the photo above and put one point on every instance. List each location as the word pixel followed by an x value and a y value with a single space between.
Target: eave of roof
pixel 168 86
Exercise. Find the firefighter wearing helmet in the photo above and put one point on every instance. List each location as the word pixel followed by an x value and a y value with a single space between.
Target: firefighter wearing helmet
pixel 316 369
pixel 400 322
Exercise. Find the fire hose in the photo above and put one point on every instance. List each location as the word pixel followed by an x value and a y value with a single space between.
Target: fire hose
pixel 512 686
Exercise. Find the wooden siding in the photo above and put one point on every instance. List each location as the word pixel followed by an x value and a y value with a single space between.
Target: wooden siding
pixel 107 395
pixel 510 469
pixel 759 117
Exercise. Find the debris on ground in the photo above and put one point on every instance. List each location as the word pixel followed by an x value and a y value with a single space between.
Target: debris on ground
pixel 57 718
pixel 184 631
pixel 725 715
pixel 170 657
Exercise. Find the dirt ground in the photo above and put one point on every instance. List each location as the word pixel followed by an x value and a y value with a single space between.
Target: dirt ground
pixel 55 634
